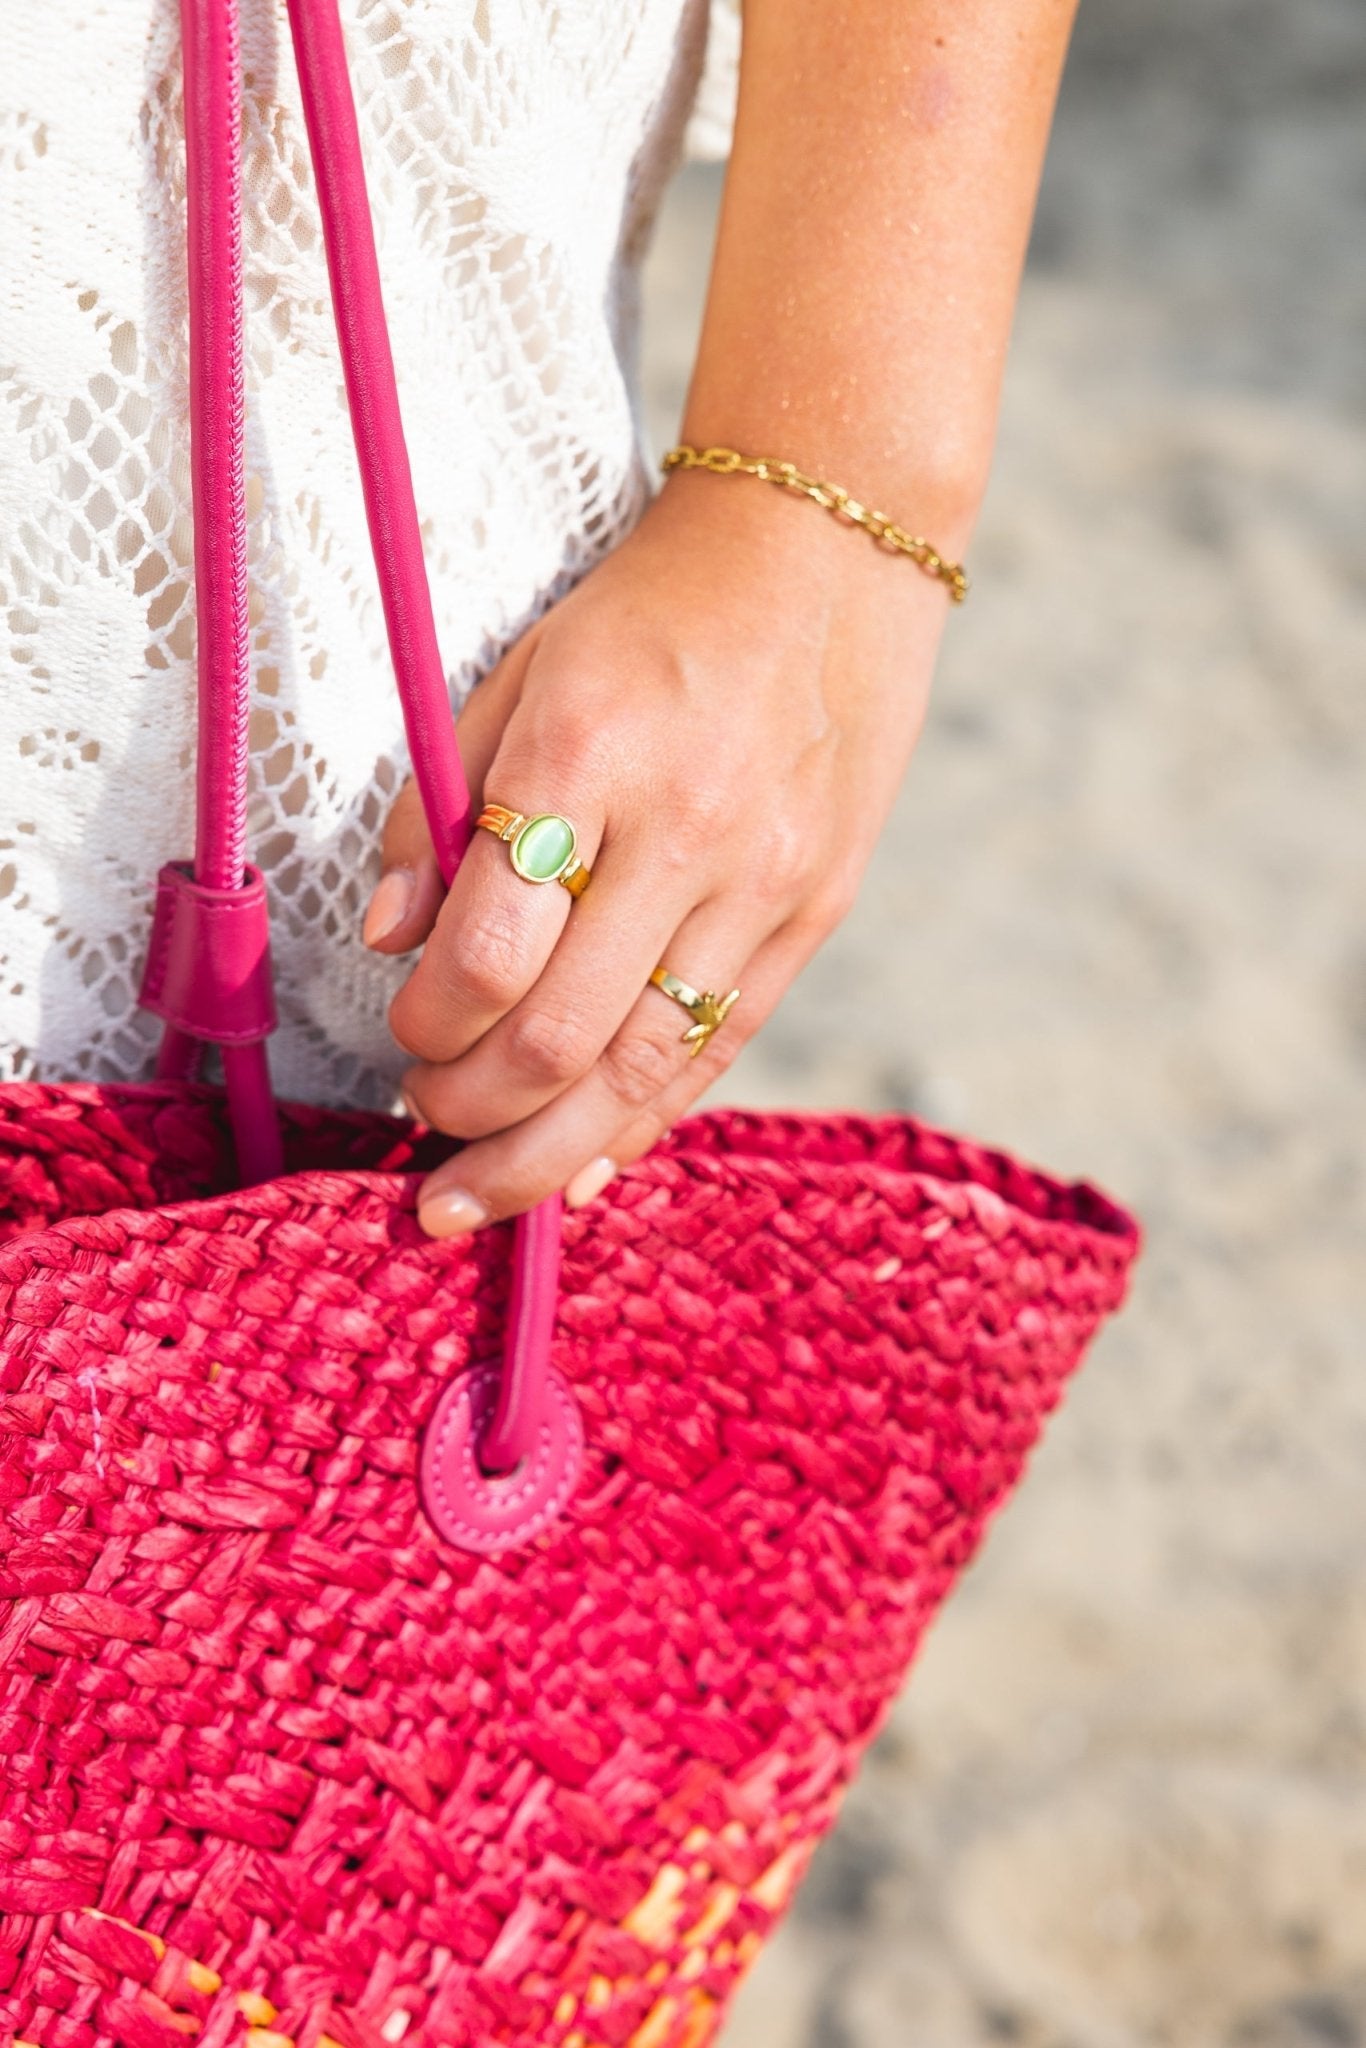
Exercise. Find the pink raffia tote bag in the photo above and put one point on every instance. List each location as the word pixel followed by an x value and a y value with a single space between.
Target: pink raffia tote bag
pixel 452 1644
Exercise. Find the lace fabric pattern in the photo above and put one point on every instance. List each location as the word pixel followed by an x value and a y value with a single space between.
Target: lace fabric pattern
pixel 516 151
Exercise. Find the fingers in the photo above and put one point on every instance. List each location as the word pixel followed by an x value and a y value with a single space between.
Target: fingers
pixel 574 1009
pixel 767 978
pixel 496 930
pixel 410 890
pixel 644 1065
pixel 493 935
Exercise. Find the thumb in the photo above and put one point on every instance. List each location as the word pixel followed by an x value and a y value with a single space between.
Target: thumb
pixel 410 890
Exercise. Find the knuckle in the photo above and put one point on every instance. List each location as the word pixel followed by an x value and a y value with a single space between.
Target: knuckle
pixel 832 897
pixel 415 1021
pixel 703 809
pixel 469 970
pixel 788 870
pixel 576 748
pixel 702 824
pixel 486 963
pixel 429 1108
pixel 549 1048
pixel 565 748
pixel 444 1099
pixel 793 859
pixel 716 1057
pixel 637 1068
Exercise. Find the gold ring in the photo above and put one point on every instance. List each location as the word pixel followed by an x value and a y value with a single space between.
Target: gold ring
pixel 707 1010
pixel 541 848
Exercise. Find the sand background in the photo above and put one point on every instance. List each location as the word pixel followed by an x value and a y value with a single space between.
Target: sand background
pixel 1116 924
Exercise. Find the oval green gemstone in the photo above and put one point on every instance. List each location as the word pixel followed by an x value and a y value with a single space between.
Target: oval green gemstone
pixel 543 848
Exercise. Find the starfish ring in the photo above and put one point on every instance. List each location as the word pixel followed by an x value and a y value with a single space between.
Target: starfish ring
pixel 707 1010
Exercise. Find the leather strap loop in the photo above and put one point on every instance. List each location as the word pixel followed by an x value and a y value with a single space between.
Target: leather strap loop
pixel 208 969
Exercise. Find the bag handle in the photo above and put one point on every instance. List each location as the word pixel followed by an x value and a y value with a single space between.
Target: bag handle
pixel 208 969
pixel 396 538
pixel 208 966
pixel 377 425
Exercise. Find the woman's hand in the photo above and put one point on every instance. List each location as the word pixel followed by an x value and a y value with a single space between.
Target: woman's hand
pixel 724 709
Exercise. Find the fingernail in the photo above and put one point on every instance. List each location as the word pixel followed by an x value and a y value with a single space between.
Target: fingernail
pixel 590 1180
pixel 408 1103
pixel 450 1212
pixel 389 906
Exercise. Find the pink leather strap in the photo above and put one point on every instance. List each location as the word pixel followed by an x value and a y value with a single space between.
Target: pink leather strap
pixel 192 965
pixel 376 422
pixel 520 1410
pixel 523 1405
pixel 213 220
pixel 208 971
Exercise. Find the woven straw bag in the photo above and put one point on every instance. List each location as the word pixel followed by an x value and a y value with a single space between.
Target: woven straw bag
pixel 436 1642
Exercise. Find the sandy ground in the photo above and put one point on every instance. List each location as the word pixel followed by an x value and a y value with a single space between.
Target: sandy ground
pixel 1117 924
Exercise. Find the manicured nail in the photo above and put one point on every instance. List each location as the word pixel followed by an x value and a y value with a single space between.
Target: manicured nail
pixel 590 1180
pixel 450 1212
pixel 390 904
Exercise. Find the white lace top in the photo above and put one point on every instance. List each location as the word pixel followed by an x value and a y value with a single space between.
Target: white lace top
pixel 516 152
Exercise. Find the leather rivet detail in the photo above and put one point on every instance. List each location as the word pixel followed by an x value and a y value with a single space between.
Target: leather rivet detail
pixel 487 1513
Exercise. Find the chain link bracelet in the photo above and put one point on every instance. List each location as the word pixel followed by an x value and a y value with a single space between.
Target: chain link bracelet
pixel 729 462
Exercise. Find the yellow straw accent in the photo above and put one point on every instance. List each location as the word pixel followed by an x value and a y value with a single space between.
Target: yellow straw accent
pixel 714 1916
pixel 655 2028
pixel 652 1918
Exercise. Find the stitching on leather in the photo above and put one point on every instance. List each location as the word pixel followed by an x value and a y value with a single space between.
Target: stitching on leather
pixel 236 905
pixel 552 1507
pixel 443 1434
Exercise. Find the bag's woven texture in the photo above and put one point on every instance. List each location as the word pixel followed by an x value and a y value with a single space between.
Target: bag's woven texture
pixel 279 1765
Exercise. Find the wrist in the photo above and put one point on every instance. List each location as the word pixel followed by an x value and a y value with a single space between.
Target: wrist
pixel 755 568
pixel 929 478
pixel 828 526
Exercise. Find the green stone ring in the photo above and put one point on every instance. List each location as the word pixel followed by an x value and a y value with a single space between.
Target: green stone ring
pixel 541 848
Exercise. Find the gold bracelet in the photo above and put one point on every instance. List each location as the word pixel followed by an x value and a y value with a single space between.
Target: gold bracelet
pixel 729 462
